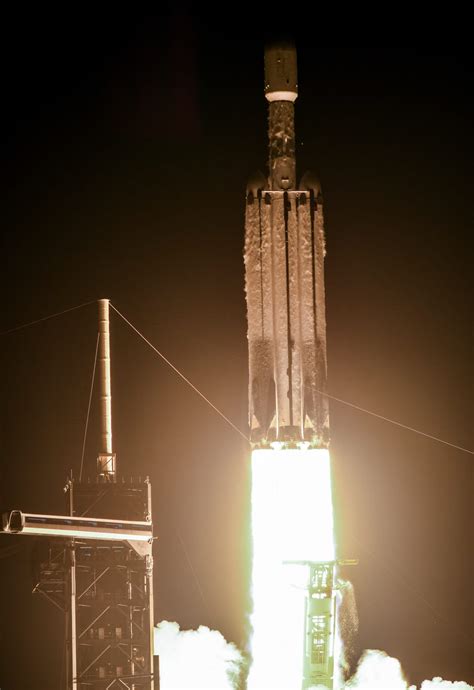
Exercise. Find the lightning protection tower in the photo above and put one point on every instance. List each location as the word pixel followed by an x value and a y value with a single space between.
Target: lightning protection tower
pixel 105 588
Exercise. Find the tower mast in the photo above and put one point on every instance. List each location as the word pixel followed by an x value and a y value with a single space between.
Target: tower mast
pixel 106 461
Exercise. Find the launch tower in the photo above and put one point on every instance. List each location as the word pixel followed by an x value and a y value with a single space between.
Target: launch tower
pixel 104 586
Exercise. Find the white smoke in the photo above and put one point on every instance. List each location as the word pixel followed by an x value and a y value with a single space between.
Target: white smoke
pixel 203 660
pixel 196 659
pixel 440 684
pixel 378 671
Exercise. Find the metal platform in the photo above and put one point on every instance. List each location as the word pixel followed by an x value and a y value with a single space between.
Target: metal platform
pixel 104 586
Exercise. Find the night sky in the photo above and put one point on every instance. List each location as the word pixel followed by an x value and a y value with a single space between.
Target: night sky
pixel 128 142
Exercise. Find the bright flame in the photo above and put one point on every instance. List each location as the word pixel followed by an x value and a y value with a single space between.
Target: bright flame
pixel 292 520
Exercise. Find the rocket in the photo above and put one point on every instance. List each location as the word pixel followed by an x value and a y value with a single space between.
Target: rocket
pixel 294 552
pixel 284 279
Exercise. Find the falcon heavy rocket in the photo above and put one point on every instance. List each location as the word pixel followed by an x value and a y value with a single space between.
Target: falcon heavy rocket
pixel 284 260
pixel 293 570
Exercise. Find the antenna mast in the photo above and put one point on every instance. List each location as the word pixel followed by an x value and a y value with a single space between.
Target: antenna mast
pixel 106 465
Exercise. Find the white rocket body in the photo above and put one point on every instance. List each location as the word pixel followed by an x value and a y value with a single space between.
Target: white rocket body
pixel 284 274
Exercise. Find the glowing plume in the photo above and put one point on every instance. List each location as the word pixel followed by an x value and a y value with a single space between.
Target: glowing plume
pixel 292 520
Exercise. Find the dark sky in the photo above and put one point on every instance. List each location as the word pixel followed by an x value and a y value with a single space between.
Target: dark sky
pixel 128 141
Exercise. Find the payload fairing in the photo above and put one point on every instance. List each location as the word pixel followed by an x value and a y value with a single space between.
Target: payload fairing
pixel 284 261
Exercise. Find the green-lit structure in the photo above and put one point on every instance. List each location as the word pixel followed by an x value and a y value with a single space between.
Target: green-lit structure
pixel 320 626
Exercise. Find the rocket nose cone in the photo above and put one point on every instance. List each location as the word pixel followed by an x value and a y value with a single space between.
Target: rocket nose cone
pixel 281 79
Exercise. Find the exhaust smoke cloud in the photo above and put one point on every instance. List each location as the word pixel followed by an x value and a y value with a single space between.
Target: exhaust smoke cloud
pixel 202 660
pixel 378 671
pixel 196 659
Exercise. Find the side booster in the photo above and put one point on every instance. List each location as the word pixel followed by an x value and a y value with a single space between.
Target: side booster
pixel 284 280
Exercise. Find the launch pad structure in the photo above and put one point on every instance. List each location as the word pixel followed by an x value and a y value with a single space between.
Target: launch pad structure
pixel 97 566
pixel 105 589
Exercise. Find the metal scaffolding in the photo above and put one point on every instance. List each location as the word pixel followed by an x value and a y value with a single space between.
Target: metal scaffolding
pixel 105 588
